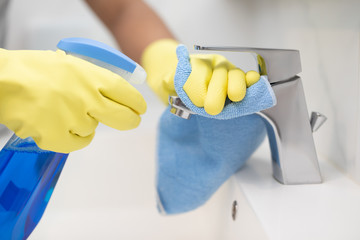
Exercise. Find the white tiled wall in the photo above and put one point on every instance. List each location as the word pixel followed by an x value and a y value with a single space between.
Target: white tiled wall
pixel 325 32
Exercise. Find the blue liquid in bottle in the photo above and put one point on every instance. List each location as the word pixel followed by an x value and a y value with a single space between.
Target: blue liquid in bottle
pixel 28 176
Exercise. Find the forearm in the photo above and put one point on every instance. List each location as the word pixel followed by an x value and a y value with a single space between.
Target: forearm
pixel 133 24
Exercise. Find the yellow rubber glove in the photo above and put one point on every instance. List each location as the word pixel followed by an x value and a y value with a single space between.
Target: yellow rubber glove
pixel 159 61
pixel 58 99
pixel 212 79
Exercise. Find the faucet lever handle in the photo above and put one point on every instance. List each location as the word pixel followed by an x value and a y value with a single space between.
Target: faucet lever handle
pixel 277 64
pixel 317 120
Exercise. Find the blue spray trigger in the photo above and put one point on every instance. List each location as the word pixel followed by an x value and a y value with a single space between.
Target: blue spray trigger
pixel 98 51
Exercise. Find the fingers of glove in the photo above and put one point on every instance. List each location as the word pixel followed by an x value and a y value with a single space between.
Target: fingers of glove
pixel 115 115
pixel 85 127
pixel 196 86
pixel 236 85
pixel 122 92
pixel 251 78
pixel 217 90
pixel 64 144
pixel 110 85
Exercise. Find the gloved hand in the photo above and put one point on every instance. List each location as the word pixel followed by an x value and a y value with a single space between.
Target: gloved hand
pixel 212 79
pixel 58 99
pixel 159 61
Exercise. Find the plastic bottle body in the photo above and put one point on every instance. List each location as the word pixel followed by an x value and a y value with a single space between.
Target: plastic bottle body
pixel 28 176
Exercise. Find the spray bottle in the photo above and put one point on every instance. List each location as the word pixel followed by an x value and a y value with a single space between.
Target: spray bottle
pixel 28 174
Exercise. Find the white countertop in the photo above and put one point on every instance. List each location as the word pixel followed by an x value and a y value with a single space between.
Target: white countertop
pixel 330 210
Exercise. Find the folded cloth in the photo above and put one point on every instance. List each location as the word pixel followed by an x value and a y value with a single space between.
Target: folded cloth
pixel 258 97
pixel 196 156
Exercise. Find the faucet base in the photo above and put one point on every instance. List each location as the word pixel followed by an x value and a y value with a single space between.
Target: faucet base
pixel 294 157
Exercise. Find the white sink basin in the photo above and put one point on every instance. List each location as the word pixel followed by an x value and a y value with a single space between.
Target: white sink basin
pixel 330 210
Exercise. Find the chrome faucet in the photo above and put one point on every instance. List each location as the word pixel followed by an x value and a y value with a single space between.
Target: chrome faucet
pixel 294 158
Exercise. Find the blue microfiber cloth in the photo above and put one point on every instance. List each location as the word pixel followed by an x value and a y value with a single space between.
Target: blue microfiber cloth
pixel 258 97
pixel 196 156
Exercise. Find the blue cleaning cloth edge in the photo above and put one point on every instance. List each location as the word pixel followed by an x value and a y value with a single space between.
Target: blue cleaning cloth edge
pixel 259 96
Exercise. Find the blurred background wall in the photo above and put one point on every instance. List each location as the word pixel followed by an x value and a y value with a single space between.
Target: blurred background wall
pixel 118 167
